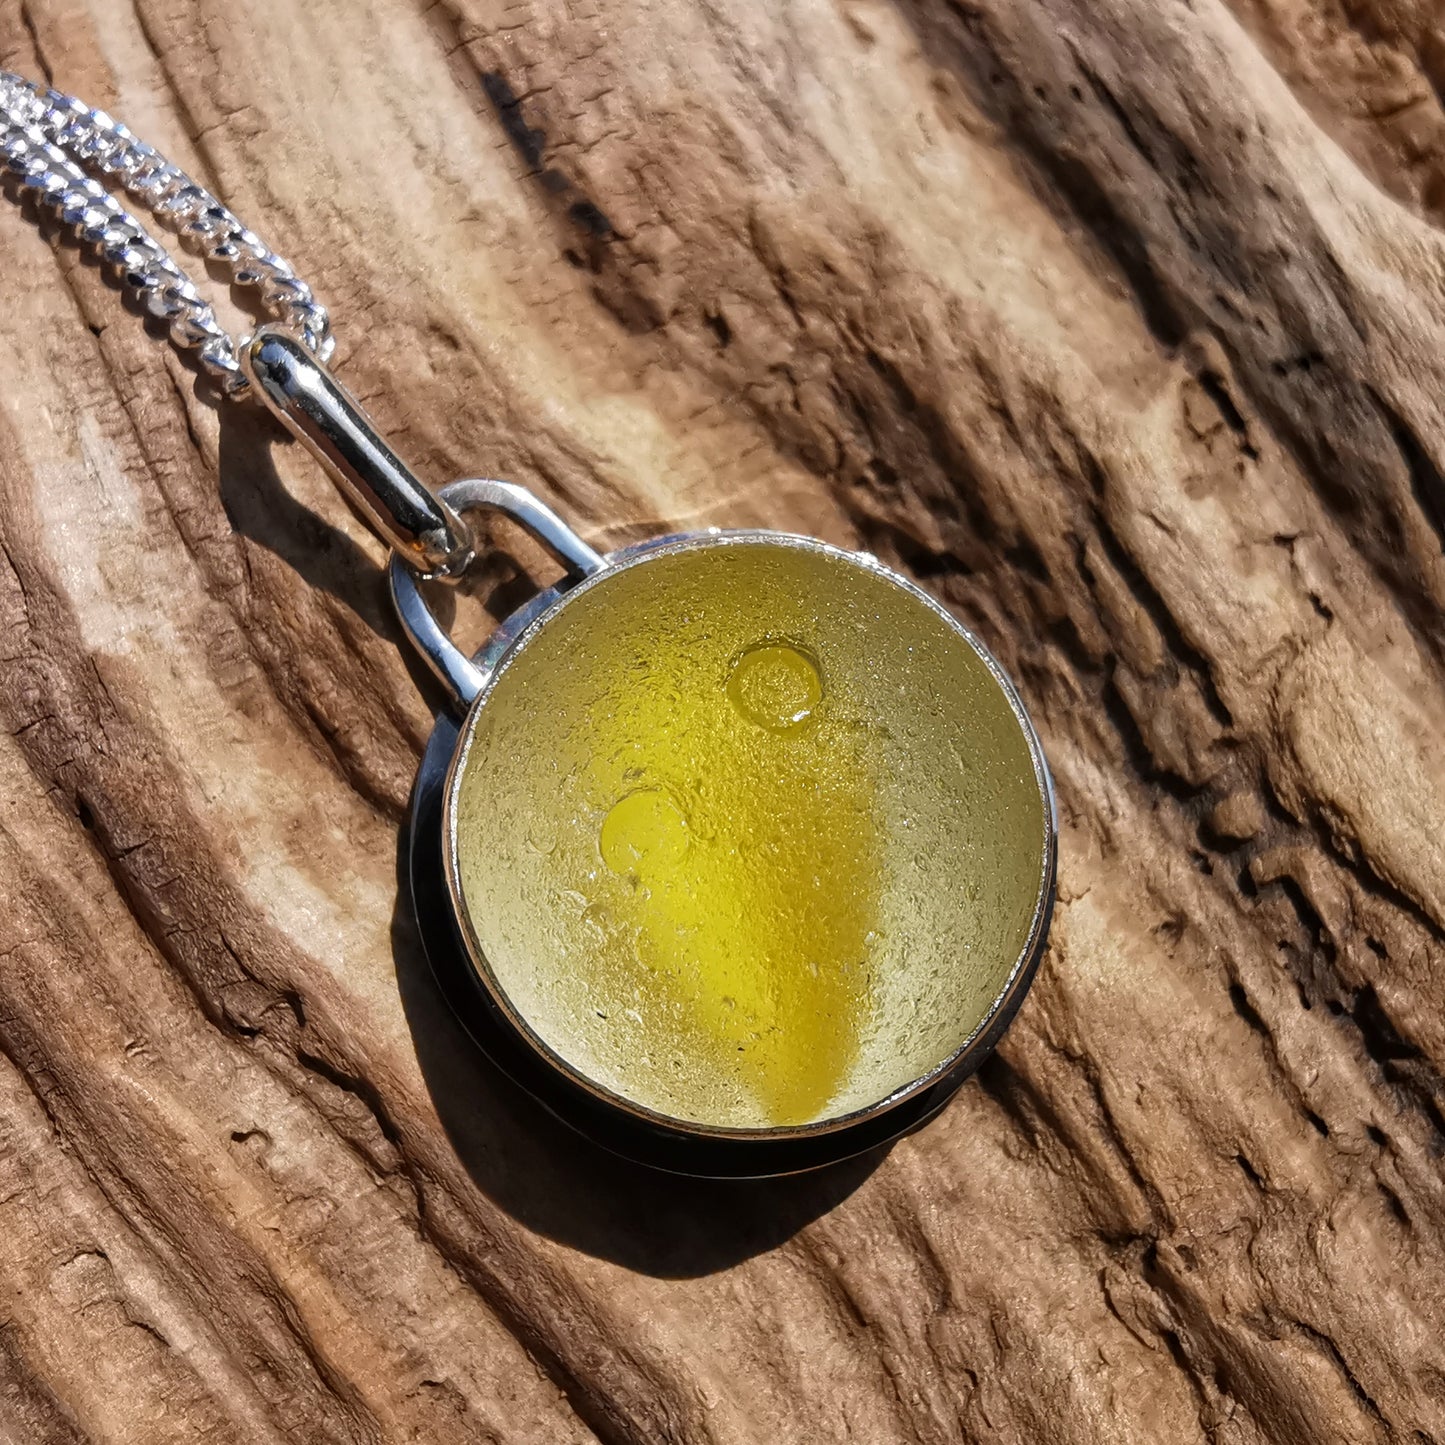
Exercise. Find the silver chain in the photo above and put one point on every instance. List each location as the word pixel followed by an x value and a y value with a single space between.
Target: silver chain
pixel 56 146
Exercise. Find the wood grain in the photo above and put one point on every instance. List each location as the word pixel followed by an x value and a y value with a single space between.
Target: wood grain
pixel 1118 323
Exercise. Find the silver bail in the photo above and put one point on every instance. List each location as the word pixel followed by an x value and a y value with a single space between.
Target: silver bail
pixel 427 534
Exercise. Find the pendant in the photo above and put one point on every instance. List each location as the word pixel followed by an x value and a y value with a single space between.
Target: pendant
pixel 735 849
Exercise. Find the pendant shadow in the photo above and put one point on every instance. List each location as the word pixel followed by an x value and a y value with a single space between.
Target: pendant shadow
pixel 560 1183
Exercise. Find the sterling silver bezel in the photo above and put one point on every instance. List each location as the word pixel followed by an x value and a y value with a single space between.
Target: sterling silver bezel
pixel 510 642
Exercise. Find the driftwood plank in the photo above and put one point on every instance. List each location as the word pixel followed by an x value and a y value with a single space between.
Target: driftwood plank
pixel 1121 325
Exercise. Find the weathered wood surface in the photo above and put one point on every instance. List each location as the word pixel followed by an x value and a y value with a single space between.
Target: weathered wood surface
pixel 1121 323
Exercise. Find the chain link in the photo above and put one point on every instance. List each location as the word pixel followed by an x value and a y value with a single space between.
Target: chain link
pixel 60 149
pixel 50 142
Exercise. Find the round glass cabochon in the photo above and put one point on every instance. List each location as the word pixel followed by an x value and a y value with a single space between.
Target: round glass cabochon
pixel 748 833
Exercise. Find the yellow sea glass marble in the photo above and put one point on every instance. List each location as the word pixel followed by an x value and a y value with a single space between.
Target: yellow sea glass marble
pixel 748 834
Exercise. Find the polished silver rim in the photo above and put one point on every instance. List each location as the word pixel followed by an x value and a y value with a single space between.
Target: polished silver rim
pixel 514 637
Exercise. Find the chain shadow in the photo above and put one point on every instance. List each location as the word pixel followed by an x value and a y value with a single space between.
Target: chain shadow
pixel 256 502
pixel 260 507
